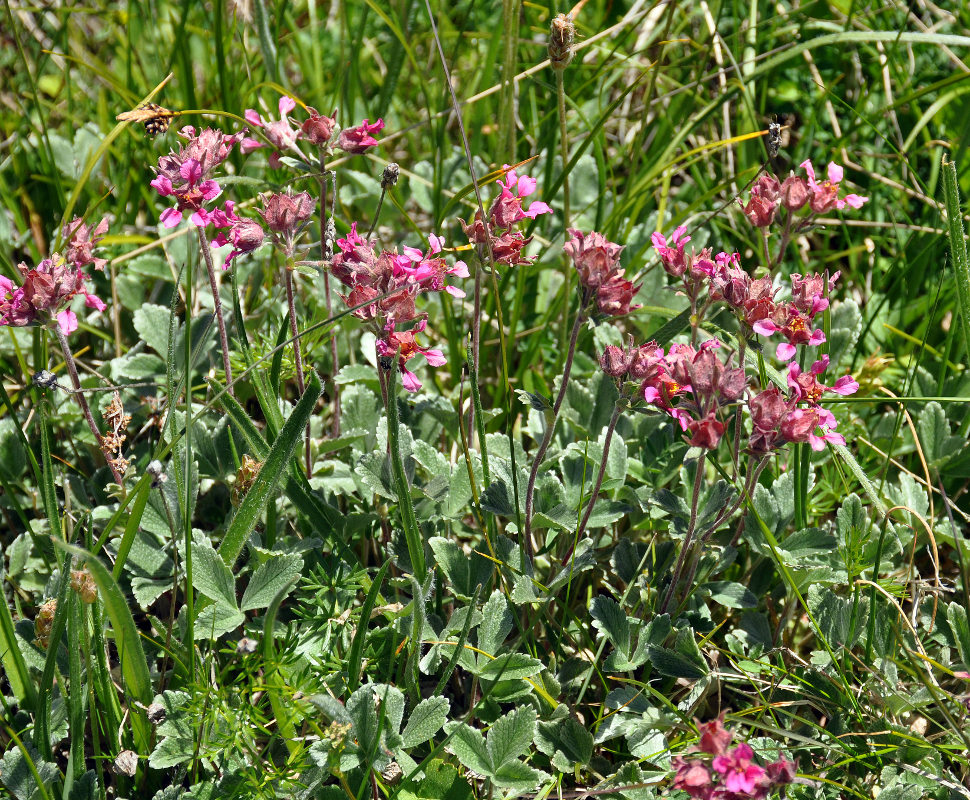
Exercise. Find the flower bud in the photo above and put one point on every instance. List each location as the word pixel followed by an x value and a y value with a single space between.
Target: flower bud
pixel 318 129
pixel 794 193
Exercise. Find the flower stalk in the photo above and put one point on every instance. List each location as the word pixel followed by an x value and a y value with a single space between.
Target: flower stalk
pixel 206 249
pixel 79 394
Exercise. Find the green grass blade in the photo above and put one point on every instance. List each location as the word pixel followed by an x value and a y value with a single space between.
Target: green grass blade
pixel 131 528
pixel 273 469
pixel 356 655
pixel 958 246
pixel 21 684
pixel 134 666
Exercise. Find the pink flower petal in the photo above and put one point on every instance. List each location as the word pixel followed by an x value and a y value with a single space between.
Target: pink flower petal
pixel 162 185
pixel 537 208
pixel 846 385
pixel 286 105
pixel 67 321
pixel 454 291
pixel 460 270
pixel 170 217
pixel 253 118
pixel 409 380
pixel 435 357
pixel 247 145
pixel 785 351
pixel 835 172
pixel 765 327
pixel 436 243
pixel 191 171
pixel 200 218
pixel 91 301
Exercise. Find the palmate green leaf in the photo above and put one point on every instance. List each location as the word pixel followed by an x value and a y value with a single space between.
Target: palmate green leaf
pixel 956 616
pixel 274 468
pixel 428 717
pixel 469 747
pixel 510 736
pixel 496 623
pixel 510 666
pixel 216 619
pixel 567 742
pixel 731 595
pixel 609 618
pixel 21 767
pixel 210 575
pixel 151 322
pixel 441 781
pixel 270 579
pixel 463 571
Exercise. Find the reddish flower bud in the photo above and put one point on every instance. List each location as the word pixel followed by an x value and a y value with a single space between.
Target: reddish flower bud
pixel 760 212
pixel 706 432
pixel 284 213
pixel 318 129
pixel 615 362
pixel 794 193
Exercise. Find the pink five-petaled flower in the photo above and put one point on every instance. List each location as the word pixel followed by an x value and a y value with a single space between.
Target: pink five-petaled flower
pixel 45 293
pixel 672 255
pixel 805 385
pixel 507 208
pixel 808 293
pixel 245 235
pixel 405 346
pixel 359 139
pixel 738 774
pixel 279 133
pixel 692 776
pixel 80 241
pixel 427 272
pixel 801 424
pixel 184 175
pixel 794 325
pixel 825 194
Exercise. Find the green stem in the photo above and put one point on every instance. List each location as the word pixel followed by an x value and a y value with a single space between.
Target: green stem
pixel 618 407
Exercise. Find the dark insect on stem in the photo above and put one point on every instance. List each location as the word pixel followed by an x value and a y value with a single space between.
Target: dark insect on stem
pixel 154 117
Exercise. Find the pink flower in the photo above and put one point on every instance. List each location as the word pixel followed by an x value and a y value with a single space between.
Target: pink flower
pixel 279 133
pixel 714 737
pixel 706 432
pixel 693 776
pixel 406 347
pixel 428 272
pixel 245 235
pixel 672 256
pixel 45 294
pixel 801 425
pixel 805 385
pixel 184 175
pixel 81 241
pixel 825 194
pixel 796 327
pixel 808 293
pixel 738 774
pixel 359 139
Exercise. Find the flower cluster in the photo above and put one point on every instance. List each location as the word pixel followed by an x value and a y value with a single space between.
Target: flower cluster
pixel 316 129
pixel 692 385
pixel 695 386
pixel 597 260
pixel 507 243
pixel 383 288
pixel 186 174
pixel 795 192
pixel 715 772
pixel 45 292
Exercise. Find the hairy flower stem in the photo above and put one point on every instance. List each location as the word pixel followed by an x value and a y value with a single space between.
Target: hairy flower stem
pixel 79 395
pixel 326 254
pixel 550 429
pixel 297 358
pixel 564 154
pixel 689 537
pixel 621 403
pixel 412 533
pixel 217 304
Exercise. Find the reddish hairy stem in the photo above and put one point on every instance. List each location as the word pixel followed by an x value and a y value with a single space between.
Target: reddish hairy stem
pixel 81 399
pixel 617 408
pixel 217 304
pixel 551 427
pixel 297 358
pixel 689 537
pixel 335 428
